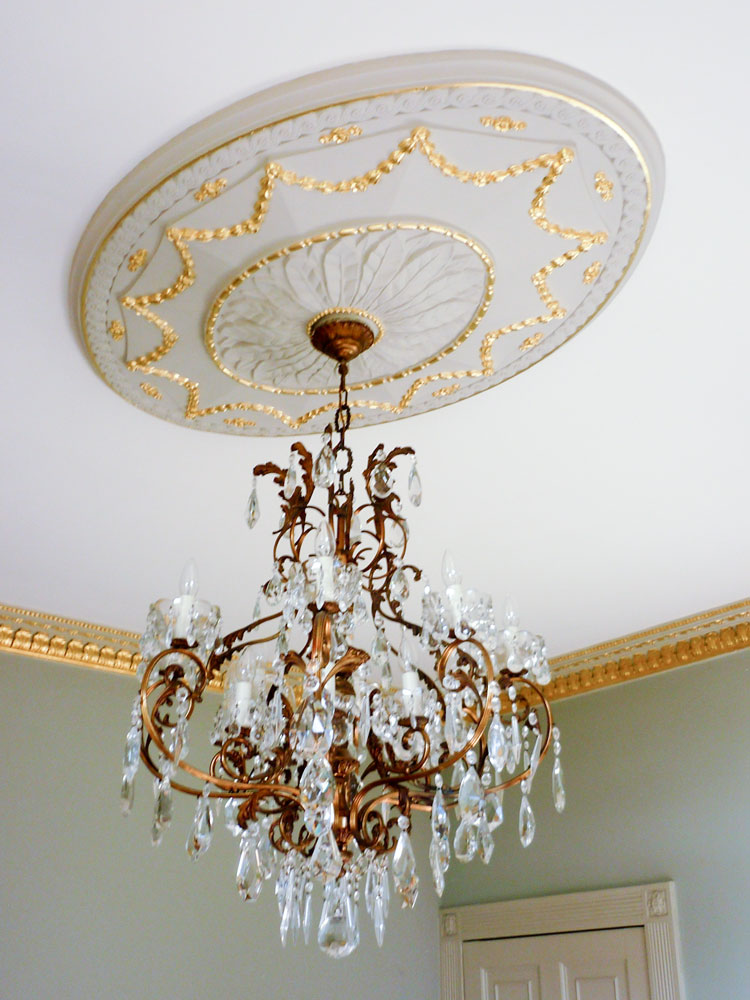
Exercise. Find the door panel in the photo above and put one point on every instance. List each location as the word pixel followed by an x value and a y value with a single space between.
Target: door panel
pixel 591 965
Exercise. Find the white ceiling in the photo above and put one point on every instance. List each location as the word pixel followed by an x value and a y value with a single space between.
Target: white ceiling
pixel 607 487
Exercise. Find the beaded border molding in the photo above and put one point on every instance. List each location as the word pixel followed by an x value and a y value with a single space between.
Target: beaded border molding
pixel 641 654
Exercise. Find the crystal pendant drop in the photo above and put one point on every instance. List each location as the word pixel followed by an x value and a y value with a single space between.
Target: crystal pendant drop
pixel 290 480
pixel 558 789
pixel 526 822
pixel 199 838
pixel 164 803
pixel 470 796
pixel 127 794
pixel 398 589
pixel 249 876
pixel 465 841
pixel 485 843
pixel 326 861
pixel 493 809
pixel 381 482
pixel 404 869
pixel 324 470
pixel 439 862
pixel 338 933
pixel 439 816
pixel 252 511
pixel 415 485
pixel 316 790
pixel 496 746
pixel 132 755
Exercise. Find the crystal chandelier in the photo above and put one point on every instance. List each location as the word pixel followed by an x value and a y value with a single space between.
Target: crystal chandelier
pixel 341 716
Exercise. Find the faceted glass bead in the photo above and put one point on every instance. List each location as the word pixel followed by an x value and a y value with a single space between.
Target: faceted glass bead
pixel 415 486
pixel 526 822
pixel 249 876
pixel 470 796
pixel 465 842
pixel 316 790
pixel 404 869
pixel 324 470
pixel 199 838
pixel 558 789
pixel 252 511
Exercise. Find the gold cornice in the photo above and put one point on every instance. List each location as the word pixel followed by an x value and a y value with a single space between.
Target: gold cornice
pixel 676 644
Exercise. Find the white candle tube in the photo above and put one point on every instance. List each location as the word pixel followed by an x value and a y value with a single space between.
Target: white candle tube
pixel 184 606
pixel 328 588
pixel 412 691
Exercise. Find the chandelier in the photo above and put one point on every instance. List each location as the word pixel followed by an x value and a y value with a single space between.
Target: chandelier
pixel 342 715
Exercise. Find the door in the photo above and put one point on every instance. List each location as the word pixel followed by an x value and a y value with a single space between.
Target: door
pixel 590 965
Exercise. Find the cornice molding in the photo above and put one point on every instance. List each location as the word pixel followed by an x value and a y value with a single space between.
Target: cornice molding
pixel 676 644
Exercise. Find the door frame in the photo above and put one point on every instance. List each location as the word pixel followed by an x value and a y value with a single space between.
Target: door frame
pixel 652 907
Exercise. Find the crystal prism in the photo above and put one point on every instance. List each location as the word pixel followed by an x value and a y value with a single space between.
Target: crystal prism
pixel 404 869
pixel 164 803
pixel 398 588
pixel 526 822
pixel 558 789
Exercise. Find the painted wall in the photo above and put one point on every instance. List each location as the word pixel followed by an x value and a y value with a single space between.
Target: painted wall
pixel 657 774
pixel 91 910
pixel 658 780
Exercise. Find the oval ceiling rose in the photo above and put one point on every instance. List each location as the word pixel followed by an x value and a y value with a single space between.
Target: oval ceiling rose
pixel 475 210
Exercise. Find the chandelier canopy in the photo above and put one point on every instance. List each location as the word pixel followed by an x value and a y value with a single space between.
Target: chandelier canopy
pixel 343 713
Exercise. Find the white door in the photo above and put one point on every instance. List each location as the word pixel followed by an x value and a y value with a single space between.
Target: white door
pixel 590 965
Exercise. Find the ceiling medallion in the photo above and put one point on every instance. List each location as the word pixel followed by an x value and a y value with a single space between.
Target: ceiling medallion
pixel 529 188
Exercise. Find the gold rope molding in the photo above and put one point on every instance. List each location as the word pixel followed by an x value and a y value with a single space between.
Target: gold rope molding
pixel 641 654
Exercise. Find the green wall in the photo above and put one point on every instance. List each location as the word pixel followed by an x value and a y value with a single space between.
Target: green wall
pixel 658 782
pixel 91 911
pixel 657 774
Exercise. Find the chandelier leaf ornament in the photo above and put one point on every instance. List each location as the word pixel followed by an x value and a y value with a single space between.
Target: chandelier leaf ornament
pixel 341 715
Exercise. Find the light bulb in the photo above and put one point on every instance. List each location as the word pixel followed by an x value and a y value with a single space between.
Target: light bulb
pixel 189 579
pixel 451 576
pixel 511 615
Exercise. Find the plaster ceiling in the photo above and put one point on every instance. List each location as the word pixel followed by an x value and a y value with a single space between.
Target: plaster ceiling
pixel 605 488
